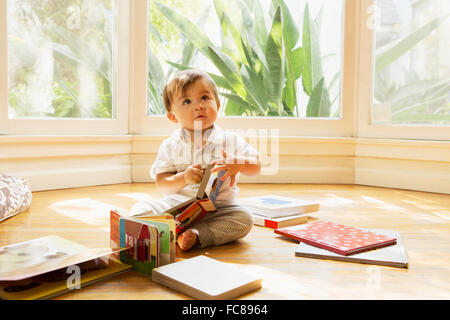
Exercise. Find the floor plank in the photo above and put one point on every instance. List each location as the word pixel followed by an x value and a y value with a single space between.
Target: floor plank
pixel 423 220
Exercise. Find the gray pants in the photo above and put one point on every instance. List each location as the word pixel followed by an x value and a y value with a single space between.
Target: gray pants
pixel 224 225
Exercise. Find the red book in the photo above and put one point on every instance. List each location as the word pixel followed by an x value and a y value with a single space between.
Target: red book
pixel 335 237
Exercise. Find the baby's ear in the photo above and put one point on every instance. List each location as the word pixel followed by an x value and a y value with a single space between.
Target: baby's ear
pixel 218 105
pixel 171 117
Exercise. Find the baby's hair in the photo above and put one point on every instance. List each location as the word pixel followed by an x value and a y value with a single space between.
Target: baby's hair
pixel 181 81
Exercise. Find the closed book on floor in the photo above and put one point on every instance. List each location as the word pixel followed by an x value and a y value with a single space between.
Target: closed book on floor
pixel 274 206
pixel 206 279
pixel 391 256
pixel 275 223
pixel 344 240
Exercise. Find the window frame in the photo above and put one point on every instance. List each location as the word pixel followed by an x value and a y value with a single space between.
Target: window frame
pixel 365 91
pixel 117 125
pixel 158 125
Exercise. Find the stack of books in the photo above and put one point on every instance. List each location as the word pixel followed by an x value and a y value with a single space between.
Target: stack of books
pixel 332 241
pixel 274 211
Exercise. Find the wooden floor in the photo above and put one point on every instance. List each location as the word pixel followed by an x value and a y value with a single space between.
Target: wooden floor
pixel 423 220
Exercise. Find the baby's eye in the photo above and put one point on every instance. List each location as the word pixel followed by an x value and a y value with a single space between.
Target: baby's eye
pixel 205 98
pixel 187 101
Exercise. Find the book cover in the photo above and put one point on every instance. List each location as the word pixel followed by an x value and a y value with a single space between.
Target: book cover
pixel 205 278
pixel 344 240
pixel 274 206
pixel 150 241
pixel 275 223
pixel 38 268
pixel 391 256
pixel 143 244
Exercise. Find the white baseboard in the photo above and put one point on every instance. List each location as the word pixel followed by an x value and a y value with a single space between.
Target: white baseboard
pixel 427 176
pixel 68 162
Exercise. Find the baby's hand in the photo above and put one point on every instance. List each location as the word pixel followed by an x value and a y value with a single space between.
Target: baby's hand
pixel 232 166
pixel 193 174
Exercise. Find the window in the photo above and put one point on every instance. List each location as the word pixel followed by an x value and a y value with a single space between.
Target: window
pixel 62 66
pixel 412 66
pixel 240 44
pixel 404 72
pixel 324 108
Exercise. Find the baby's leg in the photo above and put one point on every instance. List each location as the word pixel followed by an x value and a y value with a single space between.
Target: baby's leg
pixel 157 206
pixel 222 226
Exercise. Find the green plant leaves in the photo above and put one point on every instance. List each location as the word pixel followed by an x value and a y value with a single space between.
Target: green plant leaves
pixel 312 71
pixel 259 67
pixel 391 52
pixel 185 26
pixel 319 102
pixel 275 57
pixel 290 31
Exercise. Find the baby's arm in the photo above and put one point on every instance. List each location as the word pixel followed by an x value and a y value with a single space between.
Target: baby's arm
pixel 249 166
pixel 170 182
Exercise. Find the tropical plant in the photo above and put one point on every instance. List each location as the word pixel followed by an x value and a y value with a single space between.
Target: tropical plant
pixel 157 74
pixel 260 67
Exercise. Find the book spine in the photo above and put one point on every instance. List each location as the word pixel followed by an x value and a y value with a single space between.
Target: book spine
pixel 375 246
pixel 114 235
pixel 270 224
pixel 184 220
pixel 323 246
pixel 287 234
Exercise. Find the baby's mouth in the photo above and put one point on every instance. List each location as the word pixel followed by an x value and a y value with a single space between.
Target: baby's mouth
pixel 200 117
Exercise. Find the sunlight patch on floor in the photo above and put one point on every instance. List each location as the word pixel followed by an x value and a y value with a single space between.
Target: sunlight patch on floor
pixel 277 285
pixel 334 200
pixel 384 205
pixel 427 207
pixel 136 196
pixel 86 210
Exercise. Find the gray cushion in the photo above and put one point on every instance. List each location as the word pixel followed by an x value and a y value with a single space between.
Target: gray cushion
pixel 15 196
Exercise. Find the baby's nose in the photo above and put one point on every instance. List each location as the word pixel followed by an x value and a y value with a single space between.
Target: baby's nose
pixel 199 105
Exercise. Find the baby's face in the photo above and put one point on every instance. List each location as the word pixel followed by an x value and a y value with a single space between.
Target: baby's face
pixel 197 103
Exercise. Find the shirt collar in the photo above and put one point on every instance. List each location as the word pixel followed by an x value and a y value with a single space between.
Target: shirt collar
pixel 211 134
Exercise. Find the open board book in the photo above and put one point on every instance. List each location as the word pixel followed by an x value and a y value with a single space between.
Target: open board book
pixel 275 206
pixel 196 208
pixel 391 256
pixel 46 267
pixel 207 279
pixel 150 239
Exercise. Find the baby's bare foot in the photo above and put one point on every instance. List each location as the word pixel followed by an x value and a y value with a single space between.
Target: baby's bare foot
pixel 186 240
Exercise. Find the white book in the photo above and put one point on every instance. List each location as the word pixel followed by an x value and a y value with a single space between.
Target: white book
pixel 392 256
pixel 206 279
pixel 275 223
pixel 274 206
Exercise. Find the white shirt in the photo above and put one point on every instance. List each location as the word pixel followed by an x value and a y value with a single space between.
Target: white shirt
pixel 178 152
